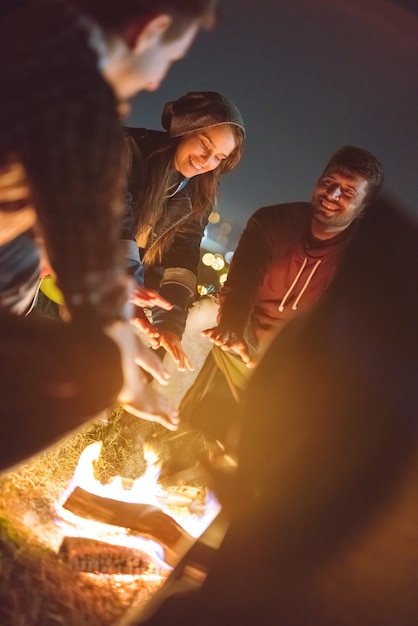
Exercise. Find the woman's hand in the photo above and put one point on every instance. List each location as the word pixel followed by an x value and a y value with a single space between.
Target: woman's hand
pixel 142 323
pixel 172 344
pixel 147 298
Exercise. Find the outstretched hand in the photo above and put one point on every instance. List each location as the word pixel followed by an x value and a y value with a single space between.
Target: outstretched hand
pixel 143 297
pixel 142 323
pixel 137 396
pixel 148 404
pixel 228 339
pixel 172 344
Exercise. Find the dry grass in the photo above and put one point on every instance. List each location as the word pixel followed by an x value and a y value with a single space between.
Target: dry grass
pixel 36 587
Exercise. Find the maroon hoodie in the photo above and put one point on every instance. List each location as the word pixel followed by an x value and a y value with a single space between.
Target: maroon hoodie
pixel 278 269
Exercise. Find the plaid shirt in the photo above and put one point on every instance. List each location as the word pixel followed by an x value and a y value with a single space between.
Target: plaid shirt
pixel 59 120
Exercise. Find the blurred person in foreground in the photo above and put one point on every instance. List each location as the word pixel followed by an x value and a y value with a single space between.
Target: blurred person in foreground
pixel 323 507
pixel 67 71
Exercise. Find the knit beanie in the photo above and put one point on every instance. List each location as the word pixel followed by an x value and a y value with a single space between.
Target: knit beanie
pixel 199 109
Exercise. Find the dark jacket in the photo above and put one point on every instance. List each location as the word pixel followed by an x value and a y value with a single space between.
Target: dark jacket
pixel 59 123
pixel 278 269
pixel 175 278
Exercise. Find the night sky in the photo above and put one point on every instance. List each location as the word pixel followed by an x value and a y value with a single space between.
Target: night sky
pixel 308 77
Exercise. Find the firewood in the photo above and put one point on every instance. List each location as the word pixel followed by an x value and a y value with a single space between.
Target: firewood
pixel 145 520
pixel 90 555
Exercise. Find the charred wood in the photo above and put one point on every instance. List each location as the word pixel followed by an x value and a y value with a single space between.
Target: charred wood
pixel 145 520
pixel 90 555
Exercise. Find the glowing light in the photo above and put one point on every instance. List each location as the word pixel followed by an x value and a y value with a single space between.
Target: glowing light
pixel 208 258
pixel 218 262
pixel 144 490
pixel 228 256
pixel 214 217
pixel 225 228
pixel 222 278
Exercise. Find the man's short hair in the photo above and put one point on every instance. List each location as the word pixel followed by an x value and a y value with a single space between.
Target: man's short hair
pixel 116 16
pixel 360 162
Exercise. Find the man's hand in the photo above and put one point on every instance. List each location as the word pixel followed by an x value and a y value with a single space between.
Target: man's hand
pixel 151 406
pixel 137 396
pixel 172 344
pixel 229 340
pixel 143 297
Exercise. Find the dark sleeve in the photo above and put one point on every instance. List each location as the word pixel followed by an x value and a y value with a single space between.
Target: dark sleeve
pixel 179 280
pixel 184 254
pixel 129 247
pixel 174 320
pixel 247 270
pixel 76 176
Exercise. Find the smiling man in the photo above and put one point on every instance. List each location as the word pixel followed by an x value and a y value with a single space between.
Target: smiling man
pixel 338 199
pixel 289 253
pixel 286 258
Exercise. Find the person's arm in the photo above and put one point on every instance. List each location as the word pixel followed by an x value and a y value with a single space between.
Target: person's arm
pixel 135 171
pixel 141 297
pixel 129 247
pixel 76 176
pixel 170 324
pixel 179 285
pixel 246 273
pixel 77 188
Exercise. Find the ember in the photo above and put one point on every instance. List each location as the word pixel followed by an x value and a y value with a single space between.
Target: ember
pixel 90 555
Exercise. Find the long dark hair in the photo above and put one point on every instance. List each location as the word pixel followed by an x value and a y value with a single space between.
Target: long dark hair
pixel 160 169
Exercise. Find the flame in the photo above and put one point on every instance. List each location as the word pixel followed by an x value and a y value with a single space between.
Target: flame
pixel 144 490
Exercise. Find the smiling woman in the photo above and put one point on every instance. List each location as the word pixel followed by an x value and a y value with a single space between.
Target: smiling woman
pixel 173 182
pixel 204 150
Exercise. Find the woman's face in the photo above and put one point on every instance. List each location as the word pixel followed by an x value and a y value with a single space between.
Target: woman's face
pixel 202 151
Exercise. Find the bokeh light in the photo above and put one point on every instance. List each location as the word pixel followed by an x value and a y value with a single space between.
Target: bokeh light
pixel 225 228
pixel 218 262
pixel 228 256
pixel 208 259
pixel 214 217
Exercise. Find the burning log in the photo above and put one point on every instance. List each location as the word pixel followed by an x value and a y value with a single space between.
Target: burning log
pixel 93 556
pixel 142 519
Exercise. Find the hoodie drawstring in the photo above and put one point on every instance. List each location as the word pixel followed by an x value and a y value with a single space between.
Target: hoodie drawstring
pixel 302 291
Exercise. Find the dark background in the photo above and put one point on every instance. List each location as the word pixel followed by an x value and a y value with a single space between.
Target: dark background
pixel 308 77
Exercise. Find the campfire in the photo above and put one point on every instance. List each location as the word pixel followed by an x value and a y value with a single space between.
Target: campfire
pixel 121 535
pixel 137 528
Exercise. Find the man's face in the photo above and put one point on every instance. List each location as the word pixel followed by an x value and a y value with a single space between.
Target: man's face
pixel 143 68
pixel 337 200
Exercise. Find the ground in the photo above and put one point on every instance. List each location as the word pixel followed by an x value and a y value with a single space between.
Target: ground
pixel 36 587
